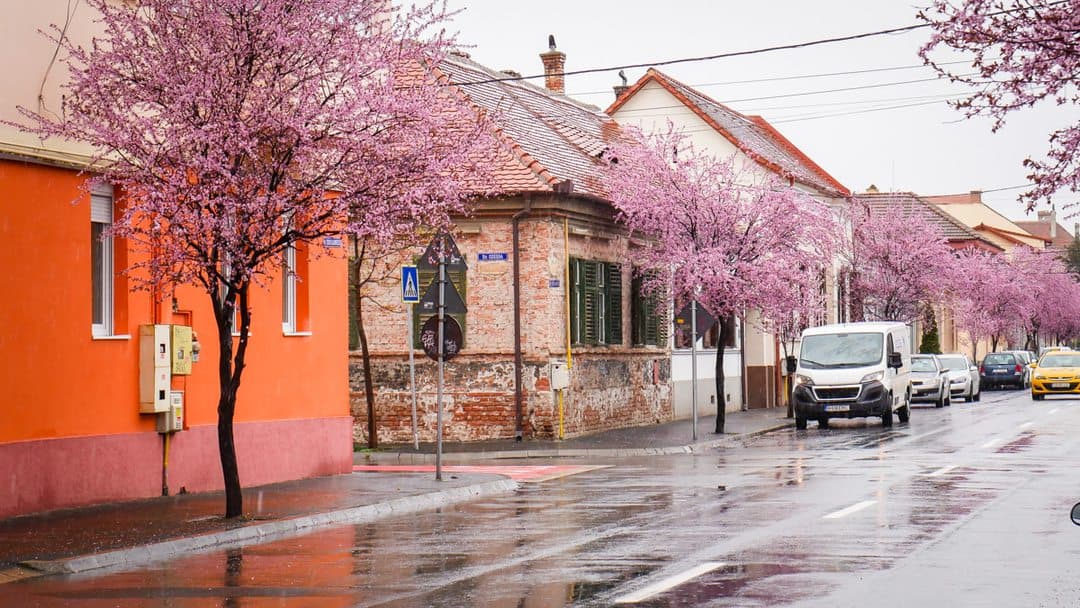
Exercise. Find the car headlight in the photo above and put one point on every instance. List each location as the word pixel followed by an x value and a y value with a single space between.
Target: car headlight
pixel 801 380
pixel 874 377
pixel 1039 376
pixel 959 380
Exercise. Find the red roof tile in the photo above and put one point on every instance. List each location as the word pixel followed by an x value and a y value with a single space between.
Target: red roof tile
pixel 952 229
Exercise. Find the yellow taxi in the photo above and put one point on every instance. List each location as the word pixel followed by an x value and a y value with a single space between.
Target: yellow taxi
pixel 1056 373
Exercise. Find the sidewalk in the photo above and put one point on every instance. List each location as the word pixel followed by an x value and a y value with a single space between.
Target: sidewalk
pixel 131 534
pixel 659 439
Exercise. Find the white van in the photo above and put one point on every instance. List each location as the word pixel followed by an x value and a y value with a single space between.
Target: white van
pixel 853 370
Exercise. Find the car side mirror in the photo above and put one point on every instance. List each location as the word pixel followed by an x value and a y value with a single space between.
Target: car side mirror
pixel 973 369
pixel 895 361
pixel 1074 515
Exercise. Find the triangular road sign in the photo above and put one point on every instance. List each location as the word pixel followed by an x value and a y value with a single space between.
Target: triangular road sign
pixel 430 302
pixel 445 245
pixel 704 319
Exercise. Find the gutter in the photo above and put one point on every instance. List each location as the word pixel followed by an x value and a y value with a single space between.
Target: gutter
pixel 518 365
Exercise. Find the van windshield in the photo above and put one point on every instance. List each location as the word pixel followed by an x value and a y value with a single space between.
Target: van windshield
pixel 841 350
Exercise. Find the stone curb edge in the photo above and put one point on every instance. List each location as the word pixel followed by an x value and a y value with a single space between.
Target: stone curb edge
pixel 426 458
pixel 271 530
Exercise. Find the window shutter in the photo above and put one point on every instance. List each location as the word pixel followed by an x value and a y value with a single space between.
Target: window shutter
pixel 591 302
pixel 101 208
pixel 614 304
pixel 575 300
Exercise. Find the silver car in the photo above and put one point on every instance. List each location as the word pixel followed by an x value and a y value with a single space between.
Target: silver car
pixel 929 381
pixel 963 376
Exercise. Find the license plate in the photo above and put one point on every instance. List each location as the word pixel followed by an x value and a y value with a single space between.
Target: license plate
pixel 837 408
pixel 1059 385
pixel 1001 371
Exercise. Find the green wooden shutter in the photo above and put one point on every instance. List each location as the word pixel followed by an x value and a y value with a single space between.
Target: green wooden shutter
pixel 614 304
pixel 590 281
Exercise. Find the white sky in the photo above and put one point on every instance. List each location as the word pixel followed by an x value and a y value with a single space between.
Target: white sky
pixel 927 149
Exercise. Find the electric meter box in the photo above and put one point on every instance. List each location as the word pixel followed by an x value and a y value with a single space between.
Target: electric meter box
pixel 560 376
pixel 155 369
pixel 181 350
pixel 172 420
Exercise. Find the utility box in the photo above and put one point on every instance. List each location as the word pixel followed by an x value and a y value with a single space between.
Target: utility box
pixel 172 420
pixel 560 376
pixel 181 350
pixel 155 368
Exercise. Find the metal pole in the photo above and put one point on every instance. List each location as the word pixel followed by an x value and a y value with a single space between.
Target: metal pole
pixel 693 363
pixel 412 379
pixel 439 350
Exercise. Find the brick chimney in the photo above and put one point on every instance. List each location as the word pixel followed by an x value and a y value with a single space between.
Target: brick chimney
pixel 554 64
pixel 621 88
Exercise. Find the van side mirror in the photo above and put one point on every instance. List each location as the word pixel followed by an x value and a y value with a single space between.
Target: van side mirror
pixel 1075 514
pixel 895 361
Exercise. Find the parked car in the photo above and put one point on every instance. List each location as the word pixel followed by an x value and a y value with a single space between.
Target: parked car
pixel 963 376
pixel 1056 373
pixel 929 381
pixel 853 370
pixel 1028 359
pixel 1003 369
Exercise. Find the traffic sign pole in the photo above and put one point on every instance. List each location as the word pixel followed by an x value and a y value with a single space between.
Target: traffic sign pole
pixel 439 392
pixel 412 377
pixel 693 363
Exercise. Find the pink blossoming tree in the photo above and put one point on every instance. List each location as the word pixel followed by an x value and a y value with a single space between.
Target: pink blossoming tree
pixel 1023 52
pixel 238 128
pixel 722 233
pixel 899 262
pixel 993 296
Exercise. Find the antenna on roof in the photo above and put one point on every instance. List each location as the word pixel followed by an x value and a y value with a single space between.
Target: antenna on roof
pixel 551 42
pixel 622 75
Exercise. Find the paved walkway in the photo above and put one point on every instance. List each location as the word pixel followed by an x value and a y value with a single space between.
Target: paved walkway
pixel 393 481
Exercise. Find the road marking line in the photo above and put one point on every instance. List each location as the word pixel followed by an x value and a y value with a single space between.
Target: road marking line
pixel 1026 424
pixel 941 471
pixel 859 506
pixel 991 443
pixel 1053 411
pixel 668 583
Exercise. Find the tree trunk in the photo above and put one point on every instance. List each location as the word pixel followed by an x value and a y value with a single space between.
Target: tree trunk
pixel 721 402
pixel 369 385
pixel 230 368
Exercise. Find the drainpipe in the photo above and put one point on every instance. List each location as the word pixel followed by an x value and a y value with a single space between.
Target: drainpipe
pixel 515 221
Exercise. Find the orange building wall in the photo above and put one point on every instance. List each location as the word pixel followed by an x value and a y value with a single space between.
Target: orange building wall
pixel 63 388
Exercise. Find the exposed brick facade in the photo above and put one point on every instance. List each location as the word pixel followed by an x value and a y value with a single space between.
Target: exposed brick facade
pixel 610 386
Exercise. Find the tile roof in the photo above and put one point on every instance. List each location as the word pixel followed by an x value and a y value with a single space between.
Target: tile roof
pixel 952 229
pixel 550 137
pixel 753 135
pixel 1041 229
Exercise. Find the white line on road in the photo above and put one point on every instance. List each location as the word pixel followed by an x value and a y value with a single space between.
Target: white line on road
pixel 668 583
pixel 941 471
pixel 859 506
pixel 991 443
pixel 1025 425
pixel 1053 411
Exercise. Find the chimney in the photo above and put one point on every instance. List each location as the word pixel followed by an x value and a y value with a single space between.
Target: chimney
pixel 621 88
pixel 975 196
pixel 1051 218
pixel 554 64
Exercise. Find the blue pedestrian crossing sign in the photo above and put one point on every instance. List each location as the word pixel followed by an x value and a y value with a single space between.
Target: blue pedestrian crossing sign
pixel 410 284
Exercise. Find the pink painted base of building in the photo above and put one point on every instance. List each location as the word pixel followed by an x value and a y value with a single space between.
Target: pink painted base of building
pixel 56 473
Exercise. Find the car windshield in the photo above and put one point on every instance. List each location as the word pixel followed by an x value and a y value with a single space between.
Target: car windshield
pixel 841 350
pixel 999 359
pixel 923 364
pixel 1060 361
pixel 953 362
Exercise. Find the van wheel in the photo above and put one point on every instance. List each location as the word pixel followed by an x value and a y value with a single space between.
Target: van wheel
pixel 904 414
pixel 800 422
pixel 886 416
pixel 823 422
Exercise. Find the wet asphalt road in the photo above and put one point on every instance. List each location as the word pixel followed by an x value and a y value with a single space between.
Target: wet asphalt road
pixel 963 506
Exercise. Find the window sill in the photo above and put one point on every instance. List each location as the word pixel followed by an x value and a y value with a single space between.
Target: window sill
pixel 111 338
pixel 296 334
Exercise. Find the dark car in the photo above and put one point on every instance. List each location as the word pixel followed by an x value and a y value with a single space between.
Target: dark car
pixel 1003 369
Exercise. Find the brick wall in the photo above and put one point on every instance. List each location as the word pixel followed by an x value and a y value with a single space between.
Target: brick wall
pixel 611 387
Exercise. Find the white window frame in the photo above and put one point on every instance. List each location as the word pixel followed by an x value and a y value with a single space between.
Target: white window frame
pixel 288 292
pixel 101 212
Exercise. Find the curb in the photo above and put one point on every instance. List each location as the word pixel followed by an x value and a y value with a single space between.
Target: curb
pixel 429 458
pixel 271 530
